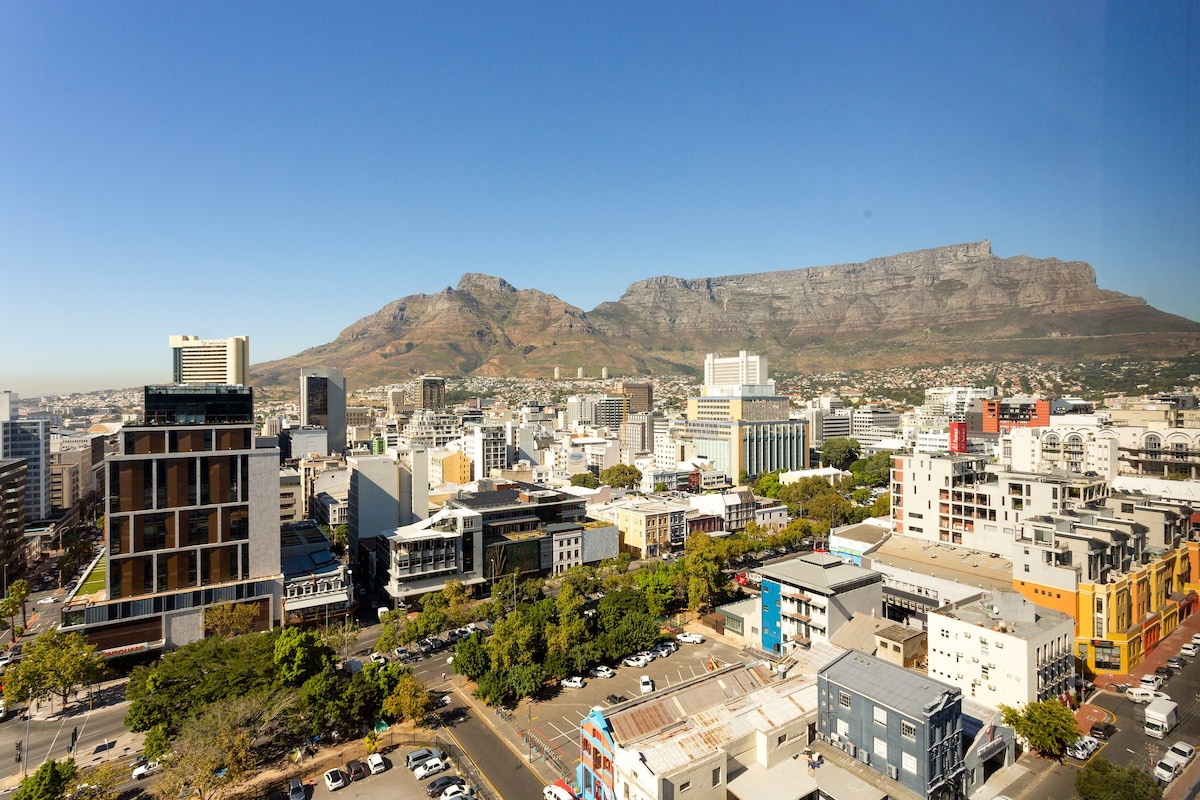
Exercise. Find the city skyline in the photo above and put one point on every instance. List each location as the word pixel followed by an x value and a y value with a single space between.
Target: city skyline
pixel 214 171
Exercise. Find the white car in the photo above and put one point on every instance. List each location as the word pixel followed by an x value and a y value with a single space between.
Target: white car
pixel 1189 649
pixel 334 780
pixel 635 661
pixel 456 791
pixel 574 682
pixel 1083 748
pixel 646 684
pixel 376 764
pixel 146 770
pixel 603 672
pixel 1180 753
pixel 1166 771
pixel 431 767
pixel 1196 638
pixel 379 658
pixel 47 600
pixel 690 638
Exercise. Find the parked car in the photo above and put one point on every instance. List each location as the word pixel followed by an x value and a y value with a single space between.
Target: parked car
pixel 1190 649
pixel 646 684
pixel 1102 730
pixel 146 770
pixel 356 770
pixel 1175 662
pixel 1166 771
pixel 1180 753
pixel 334 780
pixel 431 767
pixel 573 682
pixel 614 699
pixel 379 658
pixel 635 661
pixel 1196 638
pixel 375 763
pixel 417 757
pixel 602 671
pixel 1153 681
pixel 457 790
pixel 438 786
pixel 688 637
pixel 47 600
pixel 403 654
pixel 1164 670
pixel 295 789
pixel 661 652
pixel 1083 748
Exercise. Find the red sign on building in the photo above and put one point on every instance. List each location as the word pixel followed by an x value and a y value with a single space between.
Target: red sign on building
pixel 958 437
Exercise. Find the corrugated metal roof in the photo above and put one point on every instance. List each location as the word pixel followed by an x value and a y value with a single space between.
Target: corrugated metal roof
pixel 887 684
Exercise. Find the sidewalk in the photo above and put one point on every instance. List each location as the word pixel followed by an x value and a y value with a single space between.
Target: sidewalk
pixel 507 728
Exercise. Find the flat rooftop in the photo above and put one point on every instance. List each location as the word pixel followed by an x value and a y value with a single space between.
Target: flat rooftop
pixel 945 561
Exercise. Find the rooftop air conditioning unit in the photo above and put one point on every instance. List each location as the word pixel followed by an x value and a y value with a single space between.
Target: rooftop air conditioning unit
pixel 893 773
pixel 864 756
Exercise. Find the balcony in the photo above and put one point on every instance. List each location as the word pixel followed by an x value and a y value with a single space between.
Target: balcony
pixel 797 595
pixel 797 616
pixel 801 640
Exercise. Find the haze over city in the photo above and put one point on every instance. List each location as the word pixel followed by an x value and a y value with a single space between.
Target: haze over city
pixel 281 171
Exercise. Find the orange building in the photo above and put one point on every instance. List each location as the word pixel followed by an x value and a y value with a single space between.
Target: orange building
pixel 1000 416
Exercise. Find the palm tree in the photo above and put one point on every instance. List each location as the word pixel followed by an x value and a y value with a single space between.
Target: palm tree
pixel 9 608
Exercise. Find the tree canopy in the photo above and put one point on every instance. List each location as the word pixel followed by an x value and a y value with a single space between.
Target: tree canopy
pixel 839 453
pixel 1048 726
pixel 621 476
pixel 54 663
pixel 47 782
pixel 1101 779
pixel 588 480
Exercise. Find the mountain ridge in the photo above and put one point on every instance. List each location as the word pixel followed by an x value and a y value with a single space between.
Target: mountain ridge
pixel 955 302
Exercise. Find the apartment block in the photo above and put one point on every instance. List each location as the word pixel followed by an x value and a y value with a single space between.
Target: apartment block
pixel 1001 415
pixel 811 597
pixel 649 527
pixel 192 519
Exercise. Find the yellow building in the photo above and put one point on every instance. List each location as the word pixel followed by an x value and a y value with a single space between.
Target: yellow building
pixel 449 466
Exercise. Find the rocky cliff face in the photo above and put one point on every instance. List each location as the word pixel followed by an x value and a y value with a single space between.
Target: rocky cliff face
pixel 959 302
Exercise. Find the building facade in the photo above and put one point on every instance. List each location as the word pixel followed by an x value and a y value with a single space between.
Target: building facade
pixel 812 597
pixel 191 519
pixel 196 360
pixel 323 404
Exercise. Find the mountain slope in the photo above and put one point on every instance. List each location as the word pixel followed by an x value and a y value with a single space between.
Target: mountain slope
pixel 958 302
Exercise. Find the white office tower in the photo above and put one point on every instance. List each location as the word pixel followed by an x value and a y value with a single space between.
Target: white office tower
pixel 740 370
pixel 196 360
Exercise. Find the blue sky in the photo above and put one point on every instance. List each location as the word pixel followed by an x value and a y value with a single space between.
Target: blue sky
pixel 282 169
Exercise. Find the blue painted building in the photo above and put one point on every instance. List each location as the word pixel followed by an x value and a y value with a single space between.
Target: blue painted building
pixel 811 596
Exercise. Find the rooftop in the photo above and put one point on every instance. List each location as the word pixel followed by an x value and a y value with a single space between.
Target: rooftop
pixel 818 571
pixel 945 561
pixel 910 693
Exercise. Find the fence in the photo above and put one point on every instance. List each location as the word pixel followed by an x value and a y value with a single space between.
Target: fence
pixel 538 747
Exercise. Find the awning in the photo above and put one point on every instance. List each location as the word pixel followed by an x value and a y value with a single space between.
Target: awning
pixel 314 600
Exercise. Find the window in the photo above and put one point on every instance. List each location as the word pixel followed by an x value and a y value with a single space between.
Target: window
pixel 909 763
pixel 716 776
pixel 781 740
pixel 843 699
pixel 881 747
pixel 880 716
pixel 908 730
pixel 683 787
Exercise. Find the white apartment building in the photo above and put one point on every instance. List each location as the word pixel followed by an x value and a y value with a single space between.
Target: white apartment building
pixel 736 507
pixel 958 499
pixel 1078 450
pixel 431 428
pixel 196 360
pixel 740 370
pixel 1002 649
pixel 487 447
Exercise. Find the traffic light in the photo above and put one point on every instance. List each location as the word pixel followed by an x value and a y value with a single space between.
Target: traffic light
pixel 17 754
pixel 74 737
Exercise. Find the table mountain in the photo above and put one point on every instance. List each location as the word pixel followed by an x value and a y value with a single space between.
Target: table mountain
pixel 959 302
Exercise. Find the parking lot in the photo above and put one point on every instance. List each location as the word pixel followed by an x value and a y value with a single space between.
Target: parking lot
pixel 556 720
pixel 394 782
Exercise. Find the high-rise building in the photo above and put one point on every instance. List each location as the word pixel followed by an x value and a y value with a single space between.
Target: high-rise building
pixel 28 439
pixel 639 397
pixel 740 370
pixel 487 448
pixel 196 360
pixel 12 519
pixel 428 391
pixel 191 520
pixel 323 404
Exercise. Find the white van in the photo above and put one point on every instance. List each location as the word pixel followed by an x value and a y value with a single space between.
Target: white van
pixel 1140 694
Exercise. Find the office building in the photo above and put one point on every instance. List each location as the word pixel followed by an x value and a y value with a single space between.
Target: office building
pixel 29 439
pixel 639 397
pixel 196 360
pixel 811 597
pixel 487 447
pixel 317 587
pixel 740 370
pixel 192 519
pixel 429 392
pixel 323 404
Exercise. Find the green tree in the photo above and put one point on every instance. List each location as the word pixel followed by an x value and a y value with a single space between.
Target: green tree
pixel 767 485
pixel 471 657
pixel 230 619
pixel 394 632
pixel 704 565
pixel 9 608
pixel 410 699
pixel 526 679
pixel 48 782
pixel 1047 725
pixel 621 476
pixel 101 782
pixel 300 654
pixel 875 470
pixel 19 591
pixel 660 487
pixel 1101 779
pixel 882 507
pixel 839 453
pixel 156 742
pixel 216 748
pixel 588 480
pixel 53 663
